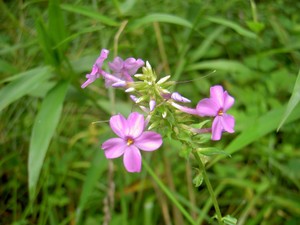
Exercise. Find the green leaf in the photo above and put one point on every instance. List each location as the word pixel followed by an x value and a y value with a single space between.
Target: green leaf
pixel 56 22
pixel 209 151
pixel 200 51
pixel 294 100
pixel 98 165
pixel 43 129
pixel 198 179
pixel 229 220
pixel 23 85
pixel 236 27
pixel 160 17
pixel 220 64
pixel 89 13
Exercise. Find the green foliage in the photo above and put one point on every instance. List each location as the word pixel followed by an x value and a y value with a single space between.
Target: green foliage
pixel 52 168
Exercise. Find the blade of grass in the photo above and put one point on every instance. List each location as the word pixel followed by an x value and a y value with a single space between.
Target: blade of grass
pixel 220 64
pixel 88 12
pixel 98 165
pixel 206 44
pixel 159 17
pixel 236 27
pixel 293 102
pixel 169 193
pixel 26 82
pixel 43 129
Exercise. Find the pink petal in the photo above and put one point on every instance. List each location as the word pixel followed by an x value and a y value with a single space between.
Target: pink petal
pixel 132 159
pixel 136 123
pixel 114 148
pixel 228 101
pixel 131 65
pixel 103 55
pixel 185 109
pixel 148 141
pixel 228 123
pixel 217 129
pixel 119 125
pixel 179 98
pixel 117 65
pixel 207 107
pixel 217 94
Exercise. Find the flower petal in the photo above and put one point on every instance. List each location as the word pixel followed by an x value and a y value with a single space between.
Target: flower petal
pixel 217 129
pixel 228 101
pixel 228 123
pixel 131 65
pixel 114 148
pixel 136 123
pixel 103 55
pixel 132 159
pixel 185 109
pixel 217 94
pixel 149 141
pixel 119 125
pixel 207 107
pixel 117 65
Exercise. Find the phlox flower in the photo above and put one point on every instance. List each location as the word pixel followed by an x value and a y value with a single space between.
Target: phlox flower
pixel 124 69
pixel 97 69
pixel 216 106
pixel 131 139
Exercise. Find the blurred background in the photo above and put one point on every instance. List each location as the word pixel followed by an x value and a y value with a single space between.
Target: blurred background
pixel 52 168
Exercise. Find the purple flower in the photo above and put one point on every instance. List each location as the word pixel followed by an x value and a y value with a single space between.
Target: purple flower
pixel 216 106
pixel 132 138
pixel 123 70
pixel 97 69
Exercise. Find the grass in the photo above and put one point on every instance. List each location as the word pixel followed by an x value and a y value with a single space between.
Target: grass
pixel 55 172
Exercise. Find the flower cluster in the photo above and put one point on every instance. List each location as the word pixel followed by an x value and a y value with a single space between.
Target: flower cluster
pixel 165 111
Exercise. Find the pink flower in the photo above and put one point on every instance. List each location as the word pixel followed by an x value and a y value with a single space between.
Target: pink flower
pixel 97 69
pixel 132 138
pixel 216 106
pixel 123 70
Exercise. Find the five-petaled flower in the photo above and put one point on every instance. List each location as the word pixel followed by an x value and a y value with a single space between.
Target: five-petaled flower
pixel 216 106
pixel 132 138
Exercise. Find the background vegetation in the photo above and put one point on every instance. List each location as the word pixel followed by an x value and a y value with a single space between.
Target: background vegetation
pixel 52 169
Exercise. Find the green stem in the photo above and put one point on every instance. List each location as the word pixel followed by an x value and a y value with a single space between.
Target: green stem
pixel 209 187
pixel 168 193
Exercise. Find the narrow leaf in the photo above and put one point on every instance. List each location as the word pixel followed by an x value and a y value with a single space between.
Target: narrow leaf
pixel 220 64
pixel 160 17
pixel 294 100
pixel 98 165
pixel 236 27
pixel 89 13
pixel 23 85
pixel 43 129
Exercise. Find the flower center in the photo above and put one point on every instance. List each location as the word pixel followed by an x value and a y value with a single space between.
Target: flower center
pixel 130 141
pixel 220 112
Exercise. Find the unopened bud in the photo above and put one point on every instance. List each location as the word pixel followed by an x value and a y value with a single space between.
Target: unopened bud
pixel 164 79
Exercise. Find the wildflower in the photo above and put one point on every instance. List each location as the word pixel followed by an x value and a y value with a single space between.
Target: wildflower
pixel 216 106
pixel 176 97
pixel 97 69
pixel 123 70
pixel 132 138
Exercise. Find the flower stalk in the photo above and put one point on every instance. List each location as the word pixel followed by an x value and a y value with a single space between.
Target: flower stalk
pixel 209 186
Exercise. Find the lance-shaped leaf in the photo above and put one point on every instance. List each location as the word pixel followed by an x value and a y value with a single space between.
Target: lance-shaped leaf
pixel 23 85
pixel 43 129
pixel 294 100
